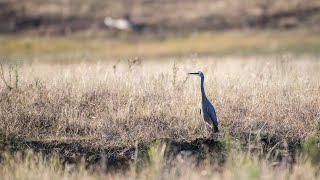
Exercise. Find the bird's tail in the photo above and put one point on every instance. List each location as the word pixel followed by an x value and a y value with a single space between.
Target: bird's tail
pixel 215 128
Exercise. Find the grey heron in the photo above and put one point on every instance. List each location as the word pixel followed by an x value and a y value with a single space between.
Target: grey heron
pixel 207 110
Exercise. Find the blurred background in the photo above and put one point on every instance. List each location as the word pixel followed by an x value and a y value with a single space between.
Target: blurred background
pixel 61 17
pixel 150 28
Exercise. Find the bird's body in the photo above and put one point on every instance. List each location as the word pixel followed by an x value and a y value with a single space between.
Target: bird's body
pixel 207 110
pixel 125 24
pixel 121 24
pixel 209 115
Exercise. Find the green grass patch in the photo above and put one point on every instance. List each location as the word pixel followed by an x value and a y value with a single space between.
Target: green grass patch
pixel 214 43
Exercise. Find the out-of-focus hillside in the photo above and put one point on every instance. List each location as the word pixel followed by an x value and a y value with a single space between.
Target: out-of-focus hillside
pixel 65 16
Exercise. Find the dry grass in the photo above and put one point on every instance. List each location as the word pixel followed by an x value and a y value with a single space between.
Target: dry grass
pixel 118 103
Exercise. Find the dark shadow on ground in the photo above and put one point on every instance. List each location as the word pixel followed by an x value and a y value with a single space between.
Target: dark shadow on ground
pixel 120 158
pixel 116 158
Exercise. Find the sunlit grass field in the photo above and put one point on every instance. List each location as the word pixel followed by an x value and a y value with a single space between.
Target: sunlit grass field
pixel 103 47
pixel 105 93
pixel 124 102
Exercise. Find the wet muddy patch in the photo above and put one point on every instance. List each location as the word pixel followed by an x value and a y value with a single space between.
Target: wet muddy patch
pixel 120 158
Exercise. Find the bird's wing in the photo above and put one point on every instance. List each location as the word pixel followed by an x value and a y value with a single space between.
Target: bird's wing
pixel 213 117
pixel 212 114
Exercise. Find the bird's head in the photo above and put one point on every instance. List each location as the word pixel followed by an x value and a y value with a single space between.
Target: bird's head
pixel 199 73
pixel 108 21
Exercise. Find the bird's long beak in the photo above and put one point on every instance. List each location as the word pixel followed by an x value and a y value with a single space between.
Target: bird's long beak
pixel 194 73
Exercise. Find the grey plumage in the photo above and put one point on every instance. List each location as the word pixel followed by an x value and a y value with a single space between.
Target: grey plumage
pixel 207 110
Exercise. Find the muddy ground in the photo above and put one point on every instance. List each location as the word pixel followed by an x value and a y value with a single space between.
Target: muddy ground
pixel 119 158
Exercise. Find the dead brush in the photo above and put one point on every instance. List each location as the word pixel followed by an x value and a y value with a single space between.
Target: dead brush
pixel 10 80
pixel 90 101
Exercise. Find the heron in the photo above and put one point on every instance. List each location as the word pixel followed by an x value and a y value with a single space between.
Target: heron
pixel 125 24
pixel 207 110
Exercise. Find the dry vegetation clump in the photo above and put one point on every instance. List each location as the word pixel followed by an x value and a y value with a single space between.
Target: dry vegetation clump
pixel 118 104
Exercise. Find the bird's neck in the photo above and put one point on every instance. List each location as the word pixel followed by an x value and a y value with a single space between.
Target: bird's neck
pixel 203 94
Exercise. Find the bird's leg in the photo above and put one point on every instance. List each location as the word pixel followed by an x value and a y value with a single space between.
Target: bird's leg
pixel 204 128
pixel 213 134
pixel 207 127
